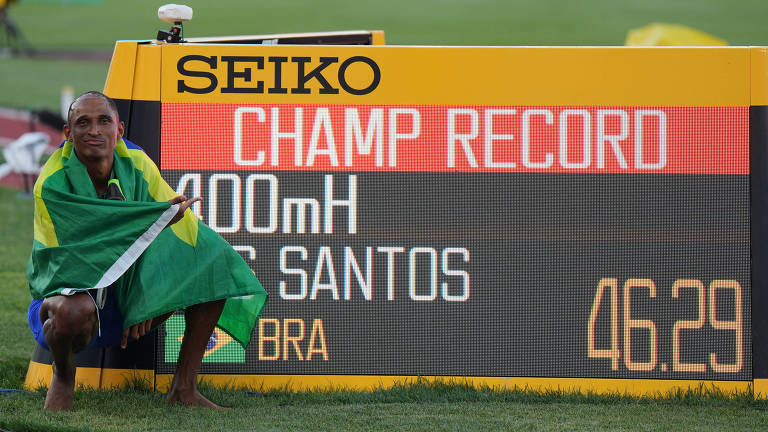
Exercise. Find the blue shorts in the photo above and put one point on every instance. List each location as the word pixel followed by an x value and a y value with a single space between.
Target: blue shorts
pixel 110 320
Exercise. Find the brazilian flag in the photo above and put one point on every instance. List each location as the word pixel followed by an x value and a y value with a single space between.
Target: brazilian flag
pixel 221 348
pixel 82 242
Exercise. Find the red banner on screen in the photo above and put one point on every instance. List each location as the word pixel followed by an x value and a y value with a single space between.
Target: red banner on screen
pixel 423 138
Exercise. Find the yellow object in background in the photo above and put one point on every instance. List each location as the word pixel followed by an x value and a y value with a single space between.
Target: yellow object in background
pixel 660 34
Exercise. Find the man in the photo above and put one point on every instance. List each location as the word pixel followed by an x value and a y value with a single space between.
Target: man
pixel 116 252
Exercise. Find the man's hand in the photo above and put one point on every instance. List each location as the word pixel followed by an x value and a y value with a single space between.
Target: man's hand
pixel 184 204
pixel 136 331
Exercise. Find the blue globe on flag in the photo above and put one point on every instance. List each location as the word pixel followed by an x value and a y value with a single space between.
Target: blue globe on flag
pixel 211 341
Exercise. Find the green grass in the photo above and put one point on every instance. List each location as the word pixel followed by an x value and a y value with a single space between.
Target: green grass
pixel 15 231
pixel 37 83
pixel 436 406
pixel 16 341
pixel 96 24
pixel 421 406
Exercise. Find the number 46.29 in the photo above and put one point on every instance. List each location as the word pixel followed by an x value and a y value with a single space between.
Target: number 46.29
pixel 611 285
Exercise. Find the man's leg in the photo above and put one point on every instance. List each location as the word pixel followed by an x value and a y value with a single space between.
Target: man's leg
pixel 69 323
pixel 200 322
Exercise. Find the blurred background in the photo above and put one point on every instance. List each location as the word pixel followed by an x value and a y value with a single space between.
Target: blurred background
pixel 50 45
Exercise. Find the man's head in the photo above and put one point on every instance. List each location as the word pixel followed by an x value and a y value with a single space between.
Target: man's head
pixel 93 126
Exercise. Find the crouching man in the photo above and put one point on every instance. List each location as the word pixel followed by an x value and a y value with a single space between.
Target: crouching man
pixel 116 252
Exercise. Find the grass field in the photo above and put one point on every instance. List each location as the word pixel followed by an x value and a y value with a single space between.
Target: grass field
pixel 16 235
pixel 96 24
pixel 420 408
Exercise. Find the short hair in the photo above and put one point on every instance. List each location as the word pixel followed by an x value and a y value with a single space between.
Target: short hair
pixel 110 102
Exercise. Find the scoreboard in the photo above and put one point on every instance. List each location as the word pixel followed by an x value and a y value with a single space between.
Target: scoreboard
pixel 575 218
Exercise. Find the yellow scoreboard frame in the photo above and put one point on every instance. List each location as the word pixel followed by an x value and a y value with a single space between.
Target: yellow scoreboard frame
pixel 158 86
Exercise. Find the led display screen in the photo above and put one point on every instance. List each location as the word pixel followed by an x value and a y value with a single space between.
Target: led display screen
pixel 479 225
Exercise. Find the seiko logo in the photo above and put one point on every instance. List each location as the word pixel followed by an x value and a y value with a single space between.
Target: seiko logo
pixel 243 76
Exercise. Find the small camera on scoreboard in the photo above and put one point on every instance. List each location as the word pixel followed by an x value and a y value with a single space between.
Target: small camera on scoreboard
pixel 171 36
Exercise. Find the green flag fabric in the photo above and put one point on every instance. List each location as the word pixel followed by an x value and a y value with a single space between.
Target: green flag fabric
pixel 82 242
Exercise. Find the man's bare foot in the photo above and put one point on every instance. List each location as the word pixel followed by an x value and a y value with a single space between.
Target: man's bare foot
pixel 60 392
pixel 190 398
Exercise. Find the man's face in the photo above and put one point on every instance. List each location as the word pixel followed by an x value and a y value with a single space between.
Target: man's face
pixel 93 129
